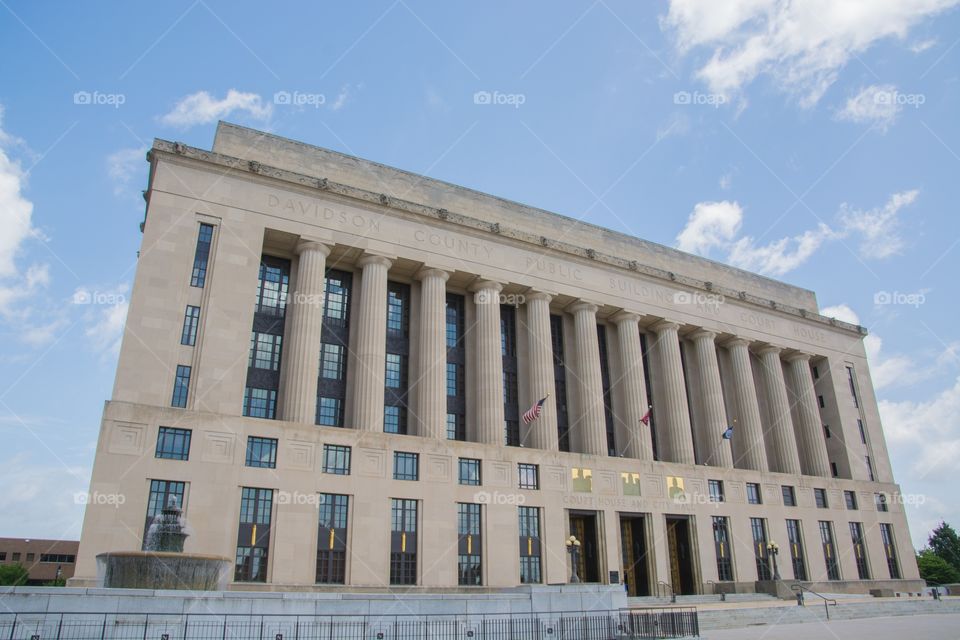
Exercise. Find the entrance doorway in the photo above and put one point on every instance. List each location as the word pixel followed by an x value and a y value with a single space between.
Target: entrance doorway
pixel 583 525
pixel 680 549
pixel 636 564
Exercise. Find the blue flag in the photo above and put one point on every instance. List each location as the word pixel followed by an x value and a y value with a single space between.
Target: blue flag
pixel 728 434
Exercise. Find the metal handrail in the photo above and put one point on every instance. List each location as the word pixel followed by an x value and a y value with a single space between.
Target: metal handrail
pixel 936 589
pixel 723 596
pixel 673 595
pixel 799 588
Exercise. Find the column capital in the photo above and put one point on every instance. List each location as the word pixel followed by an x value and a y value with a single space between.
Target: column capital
pixel 737 341
pixel 703 334
pixel 486 285
pixel 308 244
pixel 665 325
pixel 538 295
pixel 583 305
pixel 432 272
pixel 798 355
pixel 768 348
pixel 372 258
pixel 623 317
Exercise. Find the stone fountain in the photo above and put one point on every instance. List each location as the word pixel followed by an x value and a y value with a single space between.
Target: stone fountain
pixel 162 564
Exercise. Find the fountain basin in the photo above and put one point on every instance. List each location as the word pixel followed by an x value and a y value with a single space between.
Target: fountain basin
pixel 162 570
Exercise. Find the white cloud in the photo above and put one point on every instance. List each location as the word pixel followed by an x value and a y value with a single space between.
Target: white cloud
pixel 341 100
pixel 780 256
pixel 202 108
pixel 711 224
pixel 106 317
pixel 123 166
pixel 42 495
pixel 801 45
pixel 923 45
pixel 879 227
pixel 15 210
pixel 726 180
pixel 842 313
pixel 875 105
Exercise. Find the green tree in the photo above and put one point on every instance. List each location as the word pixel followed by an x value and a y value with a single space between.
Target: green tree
pixel 945 543
pixel 13 574
pixel 933 568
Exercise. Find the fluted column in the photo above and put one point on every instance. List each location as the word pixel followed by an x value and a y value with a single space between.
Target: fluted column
pixel 298 395
pixel 542 433
pixel 432 384
pixel 712 448
pixel 371 344
pixel 593 423
pixel 489 416
pixel 814 460
pixel 781 443
pixel 634 390
pixel 748 446
pixel 673 414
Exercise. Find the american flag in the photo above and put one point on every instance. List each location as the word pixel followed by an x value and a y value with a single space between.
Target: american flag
pixel 534 412
pixel 646 417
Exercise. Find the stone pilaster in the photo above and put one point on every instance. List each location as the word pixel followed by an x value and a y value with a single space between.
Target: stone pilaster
pixel 631 382
pixel 593 424
pixel 814 460
pixel 712 448
pixel 489 415
pixel 431 388
pixel 541 434
pixel 371 344
pixel 781 443
pixel 748 446
pixel 673 413
pixel 298 395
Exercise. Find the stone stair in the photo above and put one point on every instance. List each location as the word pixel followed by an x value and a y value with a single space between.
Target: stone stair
pixel 664 601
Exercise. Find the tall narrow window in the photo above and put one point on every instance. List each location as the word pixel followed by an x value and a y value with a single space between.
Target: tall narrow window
pixel 530 570
pixel 859 550
pixel 161 491
pixel 334 342
pixel 881 501
pixel 869 465
pixel 851 378
pixel 181 386
pixel 253 535
pixel 191 320
pixel 560 381
pixel 789 495
pixel 173 444
pixel 721 543
pixel 820 497
pixel 863 432
pixel 890 550
pixel 716 490
pixel 403 541
pixel 508 349
pixel 851 499
pixel 646 382
pixel 202 255
pixel 605 384
pixel 795 539
pixel 273 286
pixel 266 338
pixel 829 550
pixel 758 526
pixel 456 366
pixel 469 548
pixel 753 493
pixel 398 348
pixel 332 539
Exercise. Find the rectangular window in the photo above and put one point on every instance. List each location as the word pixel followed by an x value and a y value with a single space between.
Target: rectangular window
pixel 821 402
pixel 161 492
pixel 397 350
pixel 833 470
pixel 394 419
pixel 201 256
pixel 181 386
pixel 829 550
pixel 758 526
pixel 336 459
pixel 530 570
pixel 853 387
pixel 881 500
pixel 394 375
pixel 508 349
pixel 456 428
pixel 173 444
pixel 456 367
pixel 260 403
pixel 470 471
pixel 332 539
pixel 262 452
pixel 453 379
pixel 406 466
pixel 820 497
pixel 716 490
pixel 253 535
pixel 721 543
pixel 863 432
pixel 795 539
pixel 329 412
pixel 890 549
pixel 403 541
pixel 869 464
pixel 59 558
pixel 191 320
pixel 753 493
pixel 789 496
pixel 272 287
pixel 859 550
pixel 469 551
pixel 331 361
pixel 816 373
pixel 826 431
pixel 334 338
pixel 265 351
pixel 850 497
pixel 397 309
pixel 529 475
pixel 336 304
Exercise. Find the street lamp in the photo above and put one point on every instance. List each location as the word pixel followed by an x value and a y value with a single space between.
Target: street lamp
pixel 573 547
pixel 773 550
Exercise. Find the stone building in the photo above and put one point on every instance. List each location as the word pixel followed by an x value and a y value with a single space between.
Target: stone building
pixel 327 361
pixel 46 561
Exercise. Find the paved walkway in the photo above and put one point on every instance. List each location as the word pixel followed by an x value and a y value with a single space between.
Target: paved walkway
pixel 927 627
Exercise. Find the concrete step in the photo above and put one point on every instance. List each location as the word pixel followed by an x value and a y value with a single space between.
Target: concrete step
pixel 660 601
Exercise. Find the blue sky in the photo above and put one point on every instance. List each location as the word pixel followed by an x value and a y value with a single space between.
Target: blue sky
pixel 817 142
